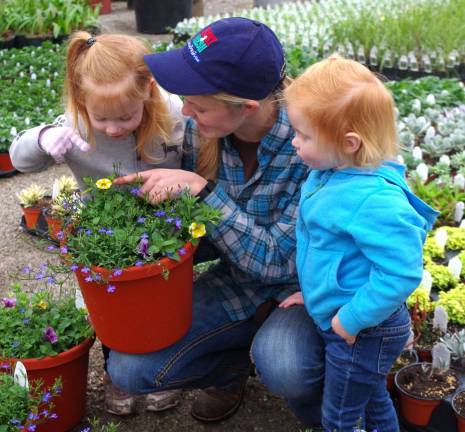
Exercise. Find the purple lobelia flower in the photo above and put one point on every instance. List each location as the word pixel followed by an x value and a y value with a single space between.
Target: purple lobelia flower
pixel 50 335
pixel 9 302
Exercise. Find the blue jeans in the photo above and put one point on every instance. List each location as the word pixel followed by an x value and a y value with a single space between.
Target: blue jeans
pixel 355 376
pixel 288 354
pixel 214 352
pixel 293 358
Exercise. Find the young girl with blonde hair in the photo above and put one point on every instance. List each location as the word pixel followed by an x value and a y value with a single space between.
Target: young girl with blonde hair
pixel 115 114
pixel 360 233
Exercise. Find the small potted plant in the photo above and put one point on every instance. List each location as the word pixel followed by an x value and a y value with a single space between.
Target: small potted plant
pixel 65 205
pixel 421 386
pixel 134 263
pixel 52 338
pixel 458 405
pixel 406 357
pixel 25 405
pixel 32 200
pixel 455 342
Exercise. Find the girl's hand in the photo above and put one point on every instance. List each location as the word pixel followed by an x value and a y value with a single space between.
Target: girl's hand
pixel 339 330
pixel 158 183
pixel 293 299
pixel 56 141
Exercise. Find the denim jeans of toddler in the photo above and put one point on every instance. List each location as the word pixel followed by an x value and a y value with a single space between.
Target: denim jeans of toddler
pixel 296 360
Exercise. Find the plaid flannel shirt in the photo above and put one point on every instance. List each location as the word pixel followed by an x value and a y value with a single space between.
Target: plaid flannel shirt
pixel 256 236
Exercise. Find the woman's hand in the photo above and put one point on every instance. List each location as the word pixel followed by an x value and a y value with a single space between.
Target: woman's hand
pixel 159 183
pixel 339 330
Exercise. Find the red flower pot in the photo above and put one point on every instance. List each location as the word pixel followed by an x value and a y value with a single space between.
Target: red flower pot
pixel 460 418
pixel 146 312
pixel 71 366
pixel 105 7
pixel 31 216
pixel 415 410
pixel 5 162
pixel 54 227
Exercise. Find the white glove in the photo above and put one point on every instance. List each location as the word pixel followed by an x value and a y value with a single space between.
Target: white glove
pixel 56 141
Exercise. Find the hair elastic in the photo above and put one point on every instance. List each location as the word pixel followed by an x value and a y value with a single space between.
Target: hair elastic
pixel 91 41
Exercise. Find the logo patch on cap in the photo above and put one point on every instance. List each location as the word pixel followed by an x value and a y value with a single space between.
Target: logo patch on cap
pixel 203 40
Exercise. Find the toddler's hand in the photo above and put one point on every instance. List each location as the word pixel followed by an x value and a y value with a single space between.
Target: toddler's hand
pixel 339 330
pixel 56 141
pixel 293 299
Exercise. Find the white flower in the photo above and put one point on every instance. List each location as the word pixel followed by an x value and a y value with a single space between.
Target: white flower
pixel 417 153
pixel 33 76
pixel 48 82
pixel 455 267
pixel 458 213
pixel 13 131
pixel 422 171
pixel 27 121
pixel 459 181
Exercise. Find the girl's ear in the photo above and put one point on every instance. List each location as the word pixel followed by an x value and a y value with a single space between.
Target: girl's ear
pixel 250 107
pixel 352 142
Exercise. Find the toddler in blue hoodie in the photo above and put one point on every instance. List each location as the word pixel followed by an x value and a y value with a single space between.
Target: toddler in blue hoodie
pixel 360 234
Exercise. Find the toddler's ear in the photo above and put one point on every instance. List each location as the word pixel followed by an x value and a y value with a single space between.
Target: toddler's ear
pixel 352 143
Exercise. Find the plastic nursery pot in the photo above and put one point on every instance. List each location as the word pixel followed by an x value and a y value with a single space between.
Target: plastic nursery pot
pixel 414 409
pixel 54 227
pixel 460 418
pixel 71 366
pixel 105 7
pixel 146 312
pixel 31 216
pixel 5 162
pixel 410 357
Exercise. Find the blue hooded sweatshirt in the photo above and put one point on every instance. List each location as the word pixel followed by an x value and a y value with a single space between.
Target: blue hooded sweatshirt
pixel 360 236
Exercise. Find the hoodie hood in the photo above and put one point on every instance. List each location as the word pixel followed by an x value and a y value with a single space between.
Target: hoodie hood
pixel 394 173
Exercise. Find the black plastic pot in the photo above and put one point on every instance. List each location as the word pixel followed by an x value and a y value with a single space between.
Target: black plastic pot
pixel 154 17
pixel 7 41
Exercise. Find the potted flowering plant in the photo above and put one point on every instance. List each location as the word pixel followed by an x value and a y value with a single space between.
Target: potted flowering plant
pixel 64 206
pixel 24 407
pixel 52 338
pixel 134 263
pixel 32 200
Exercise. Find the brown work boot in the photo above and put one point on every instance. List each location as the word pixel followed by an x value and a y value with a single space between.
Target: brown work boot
pixel 117 401
pixel 215 404
pixel 163 400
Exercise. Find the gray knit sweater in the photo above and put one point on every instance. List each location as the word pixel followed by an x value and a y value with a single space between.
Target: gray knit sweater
pixel 27 156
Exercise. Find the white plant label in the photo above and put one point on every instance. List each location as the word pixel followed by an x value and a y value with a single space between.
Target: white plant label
pixel 440 319
pixel 427 281
pixel 79 300
pixel 441 237
pixel 455 267
pixel 441 356
pixel 20 375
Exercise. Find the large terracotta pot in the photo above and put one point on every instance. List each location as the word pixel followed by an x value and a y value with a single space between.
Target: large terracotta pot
pixel 146 312
pixel 71 366
pixel 5 162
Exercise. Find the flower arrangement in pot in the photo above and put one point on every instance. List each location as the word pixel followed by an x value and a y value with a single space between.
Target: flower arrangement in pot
pixel 52 338
pixel 32 199
pixel 64 207
pixel 24 405
pixel 422 386
pixel 134 263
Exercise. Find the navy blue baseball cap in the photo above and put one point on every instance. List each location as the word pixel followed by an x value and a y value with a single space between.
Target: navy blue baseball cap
pixel 237 56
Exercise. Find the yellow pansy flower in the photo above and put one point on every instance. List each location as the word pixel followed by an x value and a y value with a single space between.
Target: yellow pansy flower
pixel 197 230
pixel 42 304
pixel 103 183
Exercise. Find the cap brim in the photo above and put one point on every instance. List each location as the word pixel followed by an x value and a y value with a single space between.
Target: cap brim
pixel 174 74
